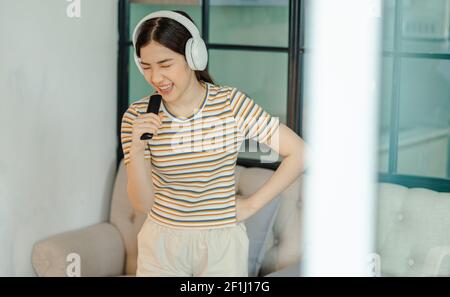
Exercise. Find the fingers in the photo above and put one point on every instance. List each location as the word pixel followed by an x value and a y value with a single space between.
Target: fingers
pixel 146 123
pixel 151 126
pixel 145 128
pixel 148 118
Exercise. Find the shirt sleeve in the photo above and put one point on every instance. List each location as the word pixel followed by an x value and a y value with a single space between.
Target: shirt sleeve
pixel 126 132
pixel 253 121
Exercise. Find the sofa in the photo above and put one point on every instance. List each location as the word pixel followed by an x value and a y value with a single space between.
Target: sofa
pixel 412 236
pixel 110 248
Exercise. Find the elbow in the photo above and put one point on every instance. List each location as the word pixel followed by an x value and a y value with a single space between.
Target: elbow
pixel 141 203
pixel 298 157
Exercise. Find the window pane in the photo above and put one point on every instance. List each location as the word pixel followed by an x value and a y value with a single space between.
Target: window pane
pixel 262 76
pixel 385 114
pixel 424 118
pixel 263 22
pixel 139 10
pixel 425 26
pixel 388 24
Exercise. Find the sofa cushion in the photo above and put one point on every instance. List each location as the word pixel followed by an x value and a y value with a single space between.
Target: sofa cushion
pixel 413 224
pixel 259 225
pixel 258 228
pixel 285 242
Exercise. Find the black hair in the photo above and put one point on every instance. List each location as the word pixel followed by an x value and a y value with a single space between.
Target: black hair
pixel 170 34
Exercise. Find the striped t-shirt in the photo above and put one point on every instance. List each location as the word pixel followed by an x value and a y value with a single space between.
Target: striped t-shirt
pixel 193 159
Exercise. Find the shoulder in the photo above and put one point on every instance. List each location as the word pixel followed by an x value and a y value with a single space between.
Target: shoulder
pixel 136 108
pixel 216 90
pixel 140 105
pixel 224 91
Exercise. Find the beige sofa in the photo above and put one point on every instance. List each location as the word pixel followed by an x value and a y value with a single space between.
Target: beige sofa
pixel 413 233
pixel 110 248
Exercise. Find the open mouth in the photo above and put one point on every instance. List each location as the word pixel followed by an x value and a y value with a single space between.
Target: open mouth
pixel 164 90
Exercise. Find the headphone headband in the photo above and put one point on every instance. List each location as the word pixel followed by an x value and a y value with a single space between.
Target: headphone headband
pixel 190 26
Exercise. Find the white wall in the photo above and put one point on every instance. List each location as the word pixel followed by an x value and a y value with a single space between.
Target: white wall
pixel 57 122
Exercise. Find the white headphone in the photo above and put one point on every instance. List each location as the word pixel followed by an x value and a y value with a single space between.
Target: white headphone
pixel 195 52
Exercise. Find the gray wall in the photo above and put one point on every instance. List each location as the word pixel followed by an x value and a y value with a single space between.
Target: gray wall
pixel 57 122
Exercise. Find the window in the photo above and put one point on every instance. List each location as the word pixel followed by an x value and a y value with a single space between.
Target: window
pixel 263 23
pixel 415 104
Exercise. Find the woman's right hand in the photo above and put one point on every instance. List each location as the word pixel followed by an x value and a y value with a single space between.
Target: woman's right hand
pixel 144 123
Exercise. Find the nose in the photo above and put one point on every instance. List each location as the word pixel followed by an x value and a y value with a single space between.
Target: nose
pixel 155 77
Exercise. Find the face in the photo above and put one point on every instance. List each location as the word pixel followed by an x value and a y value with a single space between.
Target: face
pixel 167 71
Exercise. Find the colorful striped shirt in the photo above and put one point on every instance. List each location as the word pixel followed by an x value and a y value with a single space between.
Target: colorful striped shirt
pixel 193 160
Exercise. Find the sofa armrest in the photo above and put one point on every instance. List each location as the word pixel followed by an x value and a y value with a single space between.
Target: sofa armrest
pixel 100 248
pixel 292 270
pixel 434 259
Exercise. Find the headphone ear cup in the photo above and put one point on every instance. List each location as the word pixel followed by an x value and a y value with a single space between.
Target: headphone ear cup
pixel 196 54
pixel 188 54
pixel 200 53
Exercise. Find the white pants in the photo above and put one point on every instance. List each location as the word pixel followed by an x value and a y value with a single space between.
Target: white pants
pixel 164 251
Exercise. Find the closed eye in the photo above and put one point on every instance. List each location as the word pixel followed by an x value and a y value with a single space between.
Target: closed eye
pixel 164 66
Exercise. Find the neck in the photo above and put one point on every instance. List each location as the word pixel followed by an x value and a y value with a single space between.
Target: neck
pixel 189 102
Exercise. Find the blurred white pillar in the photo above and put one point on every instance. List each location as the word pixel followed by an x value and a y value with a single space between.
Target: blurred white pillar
pixel 341 87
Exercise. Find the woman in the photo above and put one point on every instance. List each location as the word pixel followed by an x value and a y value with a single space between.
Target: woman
pixel 183 177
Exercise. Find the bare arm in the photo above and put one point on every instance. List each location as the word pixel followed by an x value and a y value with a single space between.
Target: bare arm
pixel 139 185
pixel 294 151
pixel 139 170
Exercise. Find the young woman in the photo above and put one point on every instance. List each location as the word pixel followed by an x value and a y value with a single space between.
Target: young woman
pixel 183 177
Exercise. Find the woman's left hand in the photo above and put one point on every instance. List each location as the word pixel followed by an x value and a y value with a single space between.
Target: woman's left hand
pixel 244 209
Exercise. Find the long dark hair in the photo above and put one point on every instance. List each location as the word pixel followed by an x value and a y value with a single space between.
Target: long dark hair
pixel 170 34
